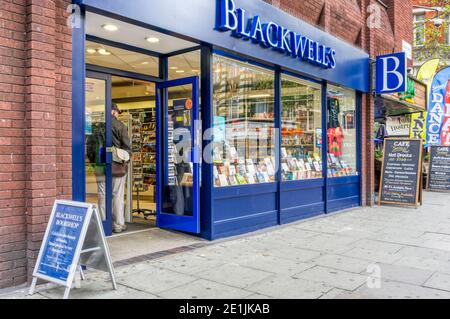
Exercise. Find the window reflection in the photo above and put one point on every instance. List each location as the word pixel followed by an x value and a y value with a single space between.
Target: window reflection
pixel 301 148
pixel 341 133
pixel 243 124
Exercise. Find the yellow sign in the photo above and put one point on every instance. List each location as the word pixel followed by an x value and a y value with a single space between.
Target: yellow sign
pixel 418 126
pixel 427 72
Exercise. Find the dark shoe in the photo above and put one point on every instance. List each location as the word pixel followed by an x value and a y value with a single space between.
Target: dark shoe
pixel 124 227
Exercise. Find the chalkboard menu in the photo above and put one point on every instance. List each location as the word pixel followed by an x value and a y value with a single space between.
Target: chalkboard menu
pixel 439 172
pixel 401 172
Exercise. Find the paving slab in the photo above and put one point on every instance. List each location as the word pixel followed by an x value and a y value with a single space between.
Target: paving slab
pixel 190 264
pixel 373 255
pixel 342 263
pixel 275 264
pixel 99 290
pixel 286 287
pixel 125 246
pixel 155 280
pixel 277 249
pixel 403 274
pixel 328 243
pixel 333 277
pixel 378 246
pixel 336 293
pixel 404 239
pixel 436 236
pixel 439 281
pixel 234 275
pixel 436 244
pixel 431 264
pixel 397 290
pixel 205 289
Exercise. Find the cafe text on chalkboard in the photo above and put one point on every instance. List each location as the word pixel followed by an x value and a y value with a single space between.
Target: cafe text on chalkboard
pixel 439 172
pixel 74 238
pixel 401 172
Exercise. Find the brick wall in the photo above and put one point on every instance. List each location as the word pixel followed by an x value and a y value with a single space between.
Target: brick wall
pixel 35 130
pixel 12 143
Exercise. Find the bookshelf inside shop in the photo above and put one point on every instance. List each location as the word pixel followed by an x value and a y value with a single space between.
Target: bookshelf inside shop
pixel 143 141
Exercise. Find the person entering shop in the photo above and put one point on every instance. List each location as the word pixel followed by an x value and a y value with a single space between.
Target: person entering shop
pixel 121 156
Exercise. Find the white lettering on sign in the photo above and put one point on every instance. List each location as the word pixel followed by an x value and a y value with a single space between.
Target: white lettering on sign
pixel 394 72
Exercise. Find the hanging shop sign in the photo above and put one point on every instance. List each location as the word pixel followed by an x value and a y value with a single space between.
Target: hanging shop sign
pixel 401 172
pixel 418 127
pixel 398 125
pixel 272 35
pixel 438 118
pixel 439 172
pixel 391 73
pixel 74 238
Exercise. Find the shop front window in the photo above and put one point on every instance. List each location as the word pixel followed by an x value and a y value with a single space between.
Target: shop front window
pixel 341 132
pixel 243 143
pixel 301 131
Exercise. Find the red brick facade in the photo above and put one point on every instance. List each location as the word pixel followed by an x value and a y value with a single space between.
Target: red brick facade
pixel 35 130
pixel 35 107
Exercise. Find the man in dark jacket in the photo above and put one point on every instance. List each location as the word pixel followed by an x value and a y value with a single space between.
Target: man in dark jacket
pixel 120 140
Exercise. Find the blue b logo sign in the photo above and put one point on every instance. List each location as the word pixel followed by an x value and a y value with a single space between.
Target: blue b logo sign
pixel 391 73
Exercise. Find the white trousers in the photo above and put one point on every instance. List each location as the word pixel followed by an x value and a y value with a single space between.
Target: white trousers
pixel 118 200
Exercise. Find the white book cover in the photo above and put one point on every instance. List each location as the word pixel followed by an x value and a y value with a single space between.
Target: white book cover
pixel 223 180
pixel 250 178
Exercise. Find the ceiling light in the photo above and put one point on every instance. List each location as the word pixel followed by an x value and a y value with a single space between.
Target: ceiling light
pixel 91 50
pixel 152 39
pixel 110 27
pixel 103 52
pixel 145 62
pixel 173 68
pixel 194 71
pixel 179 71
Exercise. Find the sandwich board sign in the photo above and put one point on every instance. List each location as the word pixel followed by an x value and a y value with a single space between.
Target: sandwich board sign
pixel 439 173
pixel 74 238
pixel 401 173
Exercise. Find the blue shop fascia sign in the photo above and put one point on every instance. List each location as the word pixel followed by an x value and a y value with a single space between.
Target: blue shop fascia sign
pixel 273 35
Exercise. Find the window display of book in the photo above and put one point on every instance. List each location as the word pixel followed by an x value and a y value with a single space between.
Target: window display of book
pixel 338 167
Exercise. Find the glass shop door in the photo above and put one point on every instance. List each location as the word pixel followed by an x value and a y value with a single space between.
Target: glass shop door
pixel 98 141
pixel 178 161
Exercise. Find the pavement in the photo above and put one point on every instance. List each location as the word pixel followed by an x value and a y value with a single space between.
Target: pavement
pixel 381 252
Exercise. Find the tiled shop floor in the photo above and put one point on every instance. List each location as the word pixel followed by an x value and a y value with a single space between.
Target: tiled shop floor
pixel 382 252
